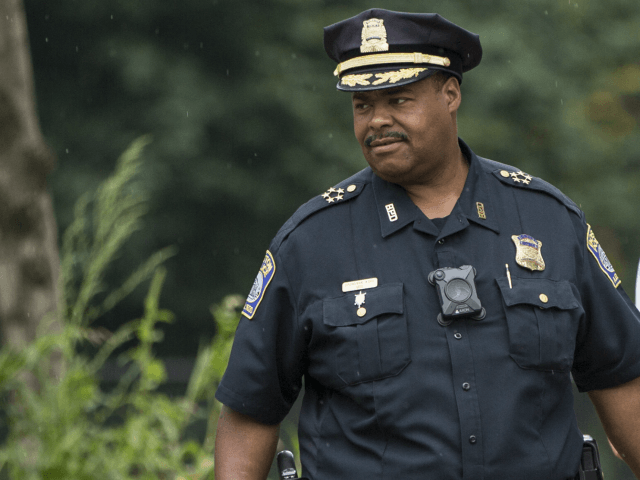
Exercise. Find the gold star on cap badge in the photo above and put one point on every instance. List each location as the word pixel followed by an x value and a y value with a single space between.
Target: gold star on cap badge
pixel 333 195
pixel 520 176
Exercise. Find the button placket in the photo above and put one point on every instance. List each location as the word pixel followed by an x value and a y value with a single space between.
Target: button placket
pixel 467 402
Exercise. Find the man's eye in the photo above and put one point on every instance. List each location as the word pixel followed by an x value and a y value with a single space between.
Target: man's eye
pixel 360 106
pixel 399 100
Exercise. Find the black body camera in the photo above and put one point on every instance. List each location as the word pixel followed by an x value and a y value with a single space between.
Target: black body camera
pixel 457 292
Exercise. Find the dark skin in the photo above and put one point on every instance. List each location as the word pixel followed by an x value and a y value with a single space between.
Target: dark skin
pixel 409 136
pixel 244 448
pixel 619 412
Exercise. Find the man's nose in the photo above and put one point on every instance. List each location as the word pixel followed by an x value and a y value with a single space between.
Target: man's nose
pixel 380 119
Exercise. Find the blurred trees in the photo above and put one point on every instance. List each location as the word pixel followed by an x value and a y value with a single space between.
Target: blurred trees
pixel 28 234
pixel 247 125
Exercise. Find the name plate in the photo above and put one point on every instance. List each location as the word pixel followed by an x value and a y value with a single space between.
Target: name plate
pixel 360 284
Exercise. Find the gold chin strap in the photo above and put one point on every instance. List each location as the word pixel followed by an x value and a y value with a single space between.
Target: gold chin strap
pixel 386 58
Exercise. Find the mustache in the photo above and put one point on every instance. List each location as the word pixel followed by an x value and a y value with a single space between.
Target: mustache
pixel 371 138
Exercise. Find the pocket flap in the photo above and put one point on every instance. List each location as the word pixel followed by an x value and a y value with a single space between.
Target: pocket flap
pixel 534 291
pixel 341 311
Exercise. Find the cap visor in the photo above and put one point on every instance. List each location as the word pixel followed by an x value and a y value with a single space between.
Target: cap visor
pixel 388 77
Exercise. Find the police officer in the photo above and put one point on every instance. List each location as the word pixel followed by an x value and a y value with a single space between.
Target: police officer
pixel 436 303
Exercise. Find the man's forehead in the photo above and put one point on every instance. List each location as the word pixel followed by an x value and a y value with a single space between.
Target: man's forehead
pixel 386 92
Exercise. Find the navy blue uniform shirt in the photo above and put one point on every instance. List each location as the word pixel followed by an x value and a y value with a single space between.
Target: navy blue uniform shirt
pixel 390 393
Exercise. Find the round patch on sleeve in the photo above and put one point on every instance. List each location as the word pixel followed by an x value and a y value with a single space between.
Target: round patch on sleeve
pixel 603 262
pixel 260 284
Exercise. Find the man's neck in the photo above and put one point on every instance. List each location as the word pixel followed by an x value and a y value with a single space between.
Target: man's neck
pixel 438 197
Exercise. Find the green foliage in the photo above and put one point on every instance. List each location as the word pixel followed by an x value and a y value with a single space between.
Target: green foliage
pixel 60 422
pixel 91 243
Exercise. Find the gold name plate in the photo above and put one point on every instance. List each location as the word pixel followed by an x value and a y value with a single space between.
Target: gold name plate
pixel 360 284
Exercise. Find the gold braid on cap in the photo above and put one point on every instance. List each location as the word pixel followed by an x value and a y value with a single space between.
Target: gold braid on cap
pixel 386 58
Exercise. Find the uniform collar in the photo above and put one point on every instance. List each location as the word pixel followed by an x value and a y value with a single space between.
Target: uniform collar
pixel 396 210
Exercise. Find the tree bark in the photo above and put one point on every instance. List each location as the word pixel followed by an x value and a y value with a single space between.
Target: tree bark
pixel 29 260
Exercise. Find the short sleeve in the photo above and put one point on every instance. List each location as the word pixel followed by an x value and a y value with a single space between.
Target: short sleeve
pixel 264 374
pixel 608 344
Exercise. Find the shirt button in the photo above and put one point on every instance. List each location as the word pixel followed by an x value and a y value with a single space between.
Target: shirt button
pixel 457 336
pixel 441 241
pixel 472 439
pixel 466 386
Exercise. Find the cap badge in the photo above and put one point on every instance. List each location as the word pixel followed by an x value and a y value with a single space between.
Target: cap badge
pixel 374 36
pixel 520 176
pixel 603 262
pixel 333 194
pixel 528 253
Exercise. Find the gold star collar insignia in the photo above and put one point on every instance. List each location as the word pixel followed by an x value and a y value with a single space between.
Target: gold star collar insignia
pixel 521 177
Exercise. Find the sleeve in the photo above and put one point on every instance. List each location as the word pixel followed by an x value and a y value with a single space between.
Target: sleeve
pixel 264 374
pixel 608 343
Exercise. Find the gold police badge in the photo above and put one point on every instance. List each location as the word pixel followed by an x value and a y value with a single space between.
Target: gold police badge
pixel 528 253
pixel 374 36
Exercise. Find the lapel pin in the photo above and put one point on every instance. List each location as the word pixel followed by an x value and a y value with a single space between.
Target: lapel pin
pixel 361 312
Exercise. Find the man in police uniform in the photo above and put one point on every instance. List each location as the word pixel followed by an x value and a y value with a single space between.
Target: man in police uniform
pixel 435 303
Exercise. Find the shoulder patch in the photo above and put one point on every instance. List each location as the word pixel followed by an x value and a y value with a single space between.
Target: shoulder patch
pixel 517 178
pixel 260 284
pixel 344 191
pixel 603 262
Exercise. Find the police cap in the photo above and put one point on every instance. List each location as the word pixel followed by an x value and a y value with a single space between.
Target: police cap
pixel 383 49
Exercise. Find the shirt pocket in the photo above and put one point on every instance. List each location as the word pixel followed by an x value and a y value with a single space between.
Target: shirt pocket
pixel 373 346
pixel 542 318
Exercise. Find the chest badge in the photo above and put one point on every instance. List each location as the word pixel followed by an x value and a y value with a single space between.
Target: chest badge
pixel 361 312
pixel 528 253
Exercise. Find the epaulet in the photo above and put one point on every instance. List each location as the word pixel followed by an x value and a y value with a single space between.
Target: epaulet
pixel 343 192
pixel 517 178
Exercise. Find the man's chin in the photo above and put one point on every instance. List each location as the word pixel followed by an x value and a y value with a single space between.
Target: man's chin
pixel 391 173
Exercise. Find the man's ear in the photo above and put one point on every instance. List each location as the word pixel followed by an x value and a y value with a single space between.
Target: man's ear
pixel 452 94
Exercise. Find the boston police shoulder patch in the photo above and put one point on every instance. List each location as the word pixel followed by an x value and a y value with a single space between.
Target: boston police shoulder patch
pixel 603 262
pixel 260 284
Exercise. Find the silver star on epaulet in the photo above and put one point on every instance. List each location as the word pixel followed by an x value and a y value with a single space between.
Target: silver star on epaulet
pixel 520 176
pixel 333 195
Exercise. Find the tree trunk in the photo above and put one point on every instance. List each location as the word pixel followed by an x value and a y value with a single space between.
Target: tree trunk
pixel 29 261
